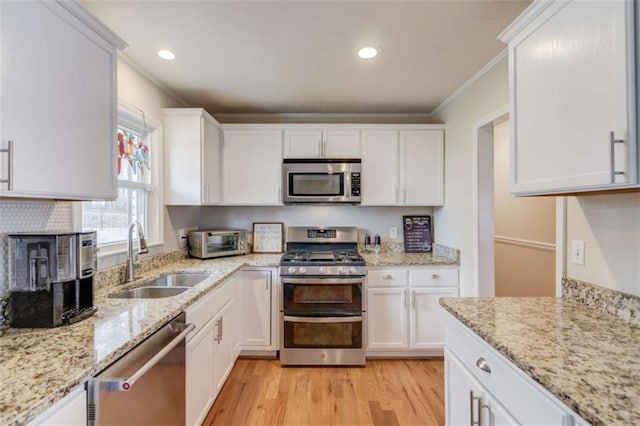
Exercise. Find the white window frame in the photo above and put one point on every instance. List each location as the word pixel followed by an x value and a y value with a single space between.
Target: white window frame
pixel 131 118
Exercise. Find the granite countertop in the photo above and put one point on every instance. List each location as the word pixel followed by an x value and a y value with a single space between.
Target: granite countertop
pixel 40 366
pixel 407 259
pixel 588 359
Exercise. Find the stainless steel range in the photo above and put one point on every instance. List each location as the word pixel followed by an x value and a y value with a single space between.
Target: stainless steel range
pixel 322 306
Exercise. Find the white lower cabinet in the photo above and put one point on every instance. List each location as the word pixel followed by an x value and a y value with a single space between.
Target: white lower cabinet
pixel 481 382
pixel 199 374
pixel 403 308
pixel 259 302
pixel 211 350
pixel 70 411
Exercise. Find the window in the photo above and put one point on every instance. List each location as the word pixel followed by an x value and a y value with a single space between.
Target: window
pixel 137 150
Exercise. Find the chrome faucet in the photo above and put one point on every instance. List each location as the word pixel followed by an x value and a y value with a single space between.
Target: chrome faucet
pixel 142 249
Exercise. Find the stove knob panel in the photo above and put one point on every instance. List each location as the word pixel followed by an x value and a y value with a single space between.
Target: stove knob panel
pixel 353 270
pixel 291 269
pixel 342 271
pixel 302 270
pixel 322 270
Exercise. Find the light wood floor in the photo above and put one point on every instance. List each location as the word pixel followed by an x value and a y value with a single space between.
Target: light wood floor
pixel 385 392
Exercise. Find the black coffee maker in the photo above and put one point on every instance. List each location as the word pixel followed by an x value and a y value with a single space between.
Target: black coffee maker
pixel 51 278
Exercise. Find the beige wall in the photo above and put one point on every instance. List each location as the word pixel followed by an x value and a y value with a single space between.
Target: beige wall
pixel 136 90
pixel 610 227
pixel 454 222
pixel 520 269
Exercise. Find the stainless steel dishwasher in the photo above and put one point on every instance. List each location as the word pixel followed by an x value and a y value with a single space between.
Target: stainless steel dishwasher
pixel 146 386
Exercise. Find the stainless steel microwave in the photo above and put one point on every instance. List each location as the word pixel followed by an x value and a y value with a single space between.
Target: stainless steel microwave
pixel 217 243
pixel 324 181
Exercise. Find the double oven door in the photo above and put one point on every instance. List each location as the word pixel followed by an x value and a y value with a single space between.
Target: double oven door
pixel 322 321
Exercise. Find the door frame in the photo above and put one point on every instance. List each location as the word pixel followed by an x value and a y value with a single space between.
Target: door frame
pixel 483 252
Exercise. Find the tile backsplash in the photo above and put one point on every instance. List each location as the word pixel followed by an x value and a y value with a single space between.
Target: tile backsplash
pixel 29 216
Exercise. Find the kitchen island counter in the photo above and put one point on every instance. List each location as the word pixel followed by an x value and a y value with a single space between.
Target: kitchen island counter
pixel 589 360
pixel 40 366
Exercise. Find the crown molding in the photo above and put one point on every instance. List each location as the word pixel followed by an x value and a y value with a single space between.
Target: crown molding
pixel 146 74
pixel 460 90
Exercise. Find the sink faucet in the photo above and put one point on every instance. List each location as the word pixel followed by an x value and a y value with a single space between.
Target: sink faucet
pixel 142 249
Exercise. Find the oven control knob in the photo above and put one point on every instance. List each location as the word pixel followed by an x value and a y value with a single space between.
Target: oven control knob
pixel 302 270
pixel 353 270
pixel 341 270
pixel 291 269
pixel 322 270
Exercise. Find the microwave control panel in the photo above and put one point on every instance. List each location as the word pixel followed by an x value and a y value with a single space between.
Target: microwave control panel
pixel 355 184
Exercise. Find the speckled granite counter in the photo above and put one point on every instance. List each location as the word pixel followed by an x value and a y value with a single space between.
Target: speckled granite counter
pixel 407 259
pixel 40 366
pixel 588 359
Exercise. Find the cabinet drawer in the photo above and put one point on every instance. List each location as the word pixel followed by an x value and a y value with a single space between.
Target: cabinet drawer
pixel 433 277
pixel 204 309
pixel 518 393
pixel 387 277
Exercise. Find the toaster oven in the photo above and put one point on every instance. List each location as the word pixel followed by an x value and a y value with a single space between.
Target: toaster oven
pixel 217 243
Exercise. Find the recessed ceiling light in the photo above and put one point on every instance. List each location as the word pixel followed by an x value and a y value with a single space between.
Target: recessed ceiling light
pixel 368 52
pixel 166 54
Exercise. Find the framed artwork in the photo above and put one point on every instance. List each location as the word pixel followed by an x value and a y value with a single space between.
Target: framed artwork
pixel 268 237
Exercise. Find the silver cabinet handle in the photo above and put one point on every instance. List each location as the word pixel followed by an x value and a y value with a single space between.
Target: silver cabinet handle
pixel 406 301
pixel 218 337
pixel 612 167
pixel 9 151
pixel 387 277
pixel 324 148
pixel 567 420
pixel 413 299
pixel 483 365
pixel 472 417
pixel 435 276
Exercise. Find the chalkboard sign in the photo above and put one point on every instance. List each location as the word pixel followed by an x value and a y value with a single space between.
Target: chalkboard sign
pixel 418 236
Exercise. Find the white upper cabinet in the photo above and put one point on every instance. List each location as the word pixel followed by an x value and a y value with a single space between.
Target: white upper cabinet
pixel 573 97
pixel 421 168
pixel 252 167
pixel 380 167
pixel 312 143
pixel 58 105
pixel 192 157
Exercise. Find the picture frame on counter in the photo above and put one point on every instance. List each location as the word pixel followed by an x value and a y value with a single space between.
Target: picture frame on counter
pixel 418 234
pixel 268 237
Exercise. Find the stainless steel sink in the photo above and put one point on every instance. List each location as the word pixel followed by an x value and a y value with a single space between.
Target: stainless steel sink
pixel 150 292
pixel 163 286
pixel 178 280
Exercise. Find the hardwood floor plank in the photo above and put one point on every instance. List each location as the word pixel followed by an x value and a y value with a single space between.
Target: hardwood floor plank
pixel 385 393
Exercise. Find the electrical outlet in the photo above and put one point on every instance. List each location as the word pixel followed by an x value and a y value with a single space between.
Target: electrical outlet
pixel 393 232
pixel 577 252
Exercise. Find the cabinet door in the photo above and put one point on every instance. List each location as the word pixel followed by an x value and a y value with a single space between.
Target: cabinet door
pixel 211 188
pixel 422 167
pixel 57 103
pixel 252 167
pixel 572 83
pixel 387 318
pixel 200 389
pixel 467 402
pixel 427 317
pixel 257 302
pixel 302 144
pixel 341 144
pixel 223 356
pixel 70 411
pixel 182 132
pixel 380 167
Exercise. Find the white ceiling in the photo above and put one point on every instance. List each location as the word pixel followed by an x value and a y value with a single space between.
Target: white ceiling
pixel 300 56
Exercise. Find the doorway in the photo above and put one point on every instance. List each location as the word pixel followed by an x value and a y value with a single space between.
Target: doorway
pixel 518 241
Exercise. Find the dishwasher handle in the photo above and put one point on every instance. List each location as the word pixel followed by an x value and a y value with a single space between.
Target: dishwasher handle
pixel 125 384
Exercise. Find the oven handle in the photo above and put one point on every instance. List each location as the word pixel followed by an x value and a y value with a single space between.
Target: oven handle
pixel 322 280
pixel 322 320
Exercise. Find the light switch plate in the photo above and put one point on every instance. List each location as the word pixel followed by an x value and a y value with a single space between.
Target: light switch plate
pixel 577 252
pixel 393 232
